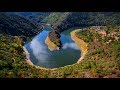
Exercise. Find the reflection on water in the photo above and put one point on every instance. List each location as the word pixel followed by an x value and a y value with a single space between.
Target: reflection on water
pixel 40 55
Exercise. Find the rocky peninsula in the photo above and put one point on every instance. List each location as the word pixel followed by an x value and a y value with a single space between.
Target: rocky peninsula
pixel 53 41
pixel 81 44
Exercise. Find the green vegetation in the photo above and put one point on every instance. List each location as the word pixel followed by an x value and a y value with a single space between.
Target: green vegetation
pixel 86 35
pixel 101 61
pixel 38 16
pixel 55 17
pixel 54 37
pixel 85 19
pixel 12 60
pixel 17 26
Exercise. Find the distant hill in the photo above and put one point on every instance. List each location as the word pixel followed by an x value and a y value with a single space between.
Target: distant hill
pixel 84 19
pixel 36 17
pixel 15 25
pixel 55 18
pixel 64 20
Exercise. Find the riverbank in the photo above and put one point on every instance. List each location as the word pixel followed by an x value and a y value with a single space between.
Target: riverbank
pixel 81 44
pixel 51 45
pixel 29 61
pixel 27 56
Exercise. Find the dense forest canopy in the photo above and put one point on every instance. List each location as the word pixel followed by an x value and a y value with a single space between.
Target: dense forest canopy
pixel 84 19
pixel 17 26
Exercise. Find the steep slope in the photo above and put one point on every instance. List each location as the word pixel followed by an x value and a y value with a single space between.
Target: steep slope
pixel 53 41
pixel 56 18
pixel 36 17
pixel 66 20
pixel 85 19
pixel 13 60
pixel 101 61
pixel 17 26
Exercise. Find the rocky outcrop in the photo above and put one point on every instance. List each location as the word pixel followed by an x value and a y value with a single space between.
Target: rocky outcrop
pixel 51 45
pixel 53 41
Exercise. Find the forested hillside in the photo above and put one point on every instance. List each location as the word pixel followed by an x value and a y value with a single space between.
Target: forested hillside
pixel 85 19
pixel 17 26
pixel 36 17
pixel 101 33
pixel 101 61
pixel 13 60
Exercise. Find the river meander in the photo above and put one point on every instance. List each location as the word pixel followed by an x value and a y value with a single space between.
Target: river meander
pixel 40 55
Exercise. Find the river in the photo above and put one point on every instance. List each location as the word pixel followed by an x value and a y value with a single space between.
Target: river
pixel 40 55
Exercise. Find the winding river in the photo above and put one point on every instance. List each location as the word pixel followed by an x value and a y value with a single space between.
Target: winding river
pixel 40 55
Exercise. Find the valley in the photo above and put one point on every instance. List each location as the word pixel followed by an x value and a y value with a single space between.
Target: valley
pixel 78 45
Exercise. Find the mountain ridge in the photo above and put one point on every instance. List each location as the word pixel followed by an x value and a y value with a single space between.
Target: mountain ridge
pixel 17 26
